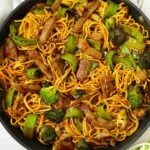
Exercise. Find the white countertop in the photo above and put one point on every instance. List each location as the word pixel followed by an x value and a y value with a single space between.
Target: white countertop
pixel 6 141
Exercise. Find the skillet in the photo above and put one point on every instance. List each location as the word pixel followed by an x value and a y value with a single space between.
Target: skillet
pixel 33 144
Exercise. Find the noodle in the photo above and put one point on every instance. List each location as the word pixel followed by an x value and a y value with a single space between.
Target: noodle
pixel 103 85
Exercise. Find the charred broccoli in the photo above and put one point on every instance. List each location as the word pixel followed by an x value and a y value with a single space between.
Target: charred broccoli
pixel 55 115
pixel 49 94
pixel 47 134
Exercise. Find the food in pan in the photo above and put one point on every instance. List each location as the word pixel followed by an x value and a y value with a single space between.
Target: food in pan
pixel 75 73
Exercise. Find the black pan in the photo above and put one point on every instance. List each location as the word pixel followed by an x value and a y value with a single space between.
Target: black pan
pixel 33 144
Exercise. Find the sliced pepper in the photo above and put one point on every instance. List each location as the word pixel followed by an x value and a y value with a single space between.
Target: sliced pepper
pixel 33 73
pixel 29 125
pixel 127 60
pixel 20 40
pixel 133 43
pixel 95 44
pixel 135 96
pixel 133 32
pixel 62 11
pixel 49 2
pixel 110 23
pixel 100 111
pixel 49 94
pixel 9 97
pixel 110 58
pixel 111 10
pixel 71 44
pixel 71 59
pixel 74 112
pixel 93 66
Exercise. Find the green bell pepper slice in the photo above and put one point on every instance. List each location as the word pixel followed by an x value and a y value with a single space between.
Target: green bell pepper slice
pixel 95 44
pixel 62 11
pixel 127 60
pixel 133 32
pixel 20 40
pixel 71 59
pixel 111 10
pixel 110 58
pixel 9 97
pixel 29 125
pixel 33 73
pixel 71 44
pixel 100 111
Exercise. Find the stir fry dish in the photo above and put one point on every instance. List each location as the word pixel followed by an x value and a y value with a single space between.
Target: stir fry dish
pixel 74 74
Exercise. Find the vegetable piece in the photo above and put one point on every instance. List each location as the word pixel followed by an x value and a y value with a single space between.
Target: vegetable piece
pixel 110 23
pixel 102 113
pixel 39 10
pixel 124 49
pixel 20 40
pixel 49 94
pixel 111 10
pixel 47 134
pixel 78 93
pixel 33 73
pixel 62 11
pixel 79 124
pixel 29 125
pixel 135 96
pixel 144 60
pixel 55 115
pixel 127 60
pixel 133 32
pixel 95 44
pixel 9 97
pixel 133 43
pixel 71 59
pixel 23 41
pixel 118 36
pixel 93 66
pixel 122 118
pixel 74 112
pixel 110 58
pixel 82 145
pixel 83 70
pixel 71 44
pixel 49 2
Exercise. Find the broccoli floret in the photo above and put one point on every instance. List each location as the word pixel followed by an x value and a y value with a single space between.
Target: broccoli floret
pixel 135 96
pixel 55 115
pixel 47 134
pixel 33 73
pixel 82 145
pixel 49 94
pixel 74 112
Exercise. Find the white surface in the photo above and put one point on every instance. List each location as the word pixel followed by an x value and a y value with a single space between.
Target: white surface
pixel 6 141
